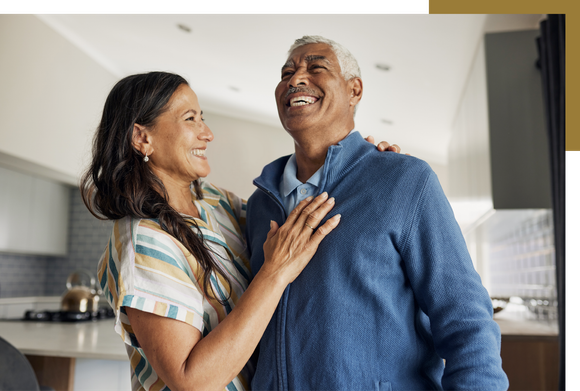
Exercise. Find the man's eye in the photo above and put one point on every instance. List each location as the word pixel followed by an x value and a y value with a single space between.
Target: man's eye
pixel 286 74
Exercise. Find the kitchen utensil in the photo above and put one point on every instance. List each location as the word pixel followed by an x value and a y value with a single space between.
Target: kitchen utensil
pixel 81 295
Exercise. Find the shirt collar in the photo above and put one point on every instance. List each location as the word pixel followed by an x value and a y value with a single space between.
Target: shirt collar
pixel 289 180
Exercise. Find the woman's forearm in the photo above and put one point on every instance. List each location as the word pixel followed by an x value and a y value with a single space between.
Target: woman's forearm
pixel 186 361
pixel 220 356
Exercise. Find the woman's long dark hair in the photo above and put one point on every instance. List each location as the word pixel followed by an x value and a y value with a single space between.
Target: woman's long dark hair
pixel 118 183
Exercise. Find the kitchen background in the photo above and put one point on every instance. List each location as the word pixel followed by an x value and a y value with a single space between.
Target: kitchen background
pixel 522 259
pixel 39 275
pixel 461 92
pixel 435 89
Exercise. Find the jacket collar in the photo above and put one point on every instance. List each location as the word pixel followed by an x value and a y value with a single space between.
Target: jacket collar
pixel 340 158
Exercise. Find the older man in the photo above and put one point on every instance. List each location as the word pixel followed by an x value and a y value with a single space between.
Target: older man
pixel 392 292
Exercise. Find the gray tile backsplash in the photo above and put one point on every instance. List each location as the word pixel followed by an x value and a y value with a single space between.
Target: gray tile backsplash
pixel 30 275
pixel 521 264
pixel 22 275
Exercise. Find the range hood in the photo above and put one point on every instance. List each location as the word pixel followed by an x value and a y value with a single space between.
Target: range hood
pixel 498 154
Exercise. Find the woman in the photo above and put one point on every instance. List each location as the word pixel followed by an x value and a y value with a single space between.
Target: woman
pixel 176 257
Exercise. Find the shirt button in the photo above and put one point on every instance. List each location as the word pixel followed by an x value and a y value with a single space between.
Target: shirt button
pixel 303 191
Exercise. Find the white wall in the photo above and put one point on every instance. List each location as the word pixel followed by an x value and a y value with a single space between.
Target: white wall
pixel 241 149
pixel 51 100
pixel 51 96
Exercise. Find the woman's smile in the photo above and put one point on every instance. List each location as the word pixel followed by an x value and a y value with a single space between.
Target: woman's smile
pixel 198 153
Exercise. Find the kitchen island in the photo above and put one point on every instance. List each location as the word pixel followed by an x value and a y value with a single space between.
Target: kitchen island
pixel 86 356
pixel 80 356
pixel 529 351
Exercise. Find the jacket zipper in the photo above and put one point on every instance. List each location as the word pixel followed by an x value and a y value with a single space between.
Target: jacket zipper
pixel 281 315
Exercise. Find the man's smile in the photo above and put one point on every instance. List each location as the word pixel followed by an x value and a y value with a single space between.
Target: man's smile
pixel 300 96
pixel 302 100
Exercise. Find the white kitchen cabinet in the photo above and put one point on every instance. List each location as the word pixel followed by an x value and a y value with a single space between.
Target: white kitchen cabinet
pixel 34 214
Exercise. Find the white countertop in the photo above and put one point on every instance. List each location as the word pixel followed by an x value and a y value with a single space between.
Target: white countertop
pixel 98 339
pixel 517 324
pixel 92 339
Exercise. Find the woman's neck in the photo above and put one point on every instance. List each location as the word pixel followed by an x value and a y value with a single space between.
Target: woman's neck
pixel 179 193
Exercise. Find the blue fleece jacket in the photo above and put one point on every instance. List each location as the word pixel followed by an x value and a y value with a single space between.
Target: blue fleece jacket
pixel 390 293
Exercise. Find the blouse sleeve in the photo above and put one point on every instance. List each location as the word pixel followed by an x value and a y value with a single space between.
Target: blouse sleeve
pixel 239 207
pixel 145 268
pixel 234 205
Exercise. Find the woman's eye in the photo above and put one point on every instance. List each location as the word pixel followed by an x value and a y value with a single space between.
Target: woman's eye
pixel 190 119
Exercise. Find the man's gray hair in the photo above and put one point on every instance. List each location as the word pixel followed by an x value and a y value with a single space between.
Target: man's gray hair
pixel 348 64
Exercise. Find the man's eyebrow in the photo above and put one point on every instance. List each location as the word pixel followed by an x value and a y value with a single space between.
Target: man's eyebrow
pixel 289 64
pixel 309 58
pixel 315 57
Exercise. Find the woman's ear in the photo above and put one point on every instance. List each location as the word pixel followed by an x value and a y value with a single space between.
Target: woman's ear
pixel 141 140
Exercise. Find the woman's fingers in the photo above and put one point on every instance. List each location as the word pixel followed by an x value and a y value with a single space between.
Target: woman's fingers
pixel 313 214
pixel 394 148
pixel 304 219
pixel 304 208
pixel 385 146
pixel 324 230
pixel 289 248
pixel 273 229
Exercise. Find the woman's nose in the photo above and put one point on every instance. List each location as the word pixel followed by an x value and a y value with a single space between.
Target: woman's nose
pixel 206 134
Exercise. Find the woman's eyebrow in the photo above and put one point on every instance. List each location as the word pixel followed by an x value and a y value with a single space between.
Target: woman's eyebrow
pixel 191 111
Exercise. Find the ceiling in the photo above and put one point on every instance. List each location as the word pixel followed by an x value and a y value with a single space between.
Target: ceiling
pixel 233 62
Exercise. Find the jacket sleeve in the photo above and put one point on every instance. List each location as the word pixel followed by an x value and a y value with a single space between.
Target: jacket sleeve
pixel 449 291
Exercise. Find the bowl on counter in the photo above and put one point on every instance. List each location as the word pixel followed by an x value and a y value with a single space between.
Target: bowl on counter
pixel 499 303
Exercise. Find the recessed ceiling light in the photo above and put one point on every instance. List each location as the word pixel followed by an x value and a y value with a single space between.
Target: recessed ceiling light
pixel 183 27
pixel 382 66
pixel 386 121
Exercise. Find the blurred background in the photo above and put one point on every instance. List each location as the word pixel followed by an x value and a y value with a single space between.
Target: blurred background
pixel 462 92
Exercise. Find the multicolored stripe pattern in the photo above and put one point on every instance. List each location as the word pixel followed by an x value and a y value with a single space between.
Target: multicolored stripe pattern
pixel 143 267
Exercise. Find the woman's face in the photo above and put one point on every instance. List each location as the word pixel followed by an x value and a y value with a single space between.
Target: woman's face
pixel 179 139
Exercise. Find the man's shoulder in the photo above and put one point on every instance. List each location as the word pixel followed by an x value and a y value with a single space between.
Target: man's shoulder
pixel 269 178
pixel 395 164
pixel 258 197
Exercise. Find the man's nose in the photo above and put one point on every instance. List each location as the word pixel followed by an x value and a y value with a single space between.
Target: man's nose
pixel 299 78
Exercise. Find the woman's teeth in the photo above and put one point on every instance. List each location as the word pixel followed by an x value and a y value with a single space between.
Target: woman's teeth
pixel 198 152
pixel 302 100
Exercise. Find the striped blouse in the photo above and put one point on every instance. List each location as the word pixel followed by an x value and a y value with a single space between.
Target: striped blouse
pixel 145 268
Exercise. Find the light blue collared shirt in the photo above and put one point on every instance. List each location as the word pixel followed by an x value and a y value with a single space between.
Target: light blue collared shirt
pixel 292 190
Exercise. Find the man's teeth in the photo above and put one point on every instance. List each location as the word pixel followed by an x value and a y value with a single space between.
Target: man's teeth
pixel 198 152
pixel 302 100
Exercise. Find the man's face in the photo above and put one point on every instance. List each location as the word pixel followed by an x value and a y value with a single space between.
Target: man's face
pixel 312 93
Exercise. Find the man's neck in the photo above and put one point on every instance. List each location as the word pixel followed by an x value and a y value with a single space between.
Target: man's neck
pixel 311 153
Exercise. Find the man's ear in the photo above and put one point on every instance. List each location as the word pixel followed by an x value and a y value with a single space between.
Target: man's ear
pixel 141 140
pixel 356 90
